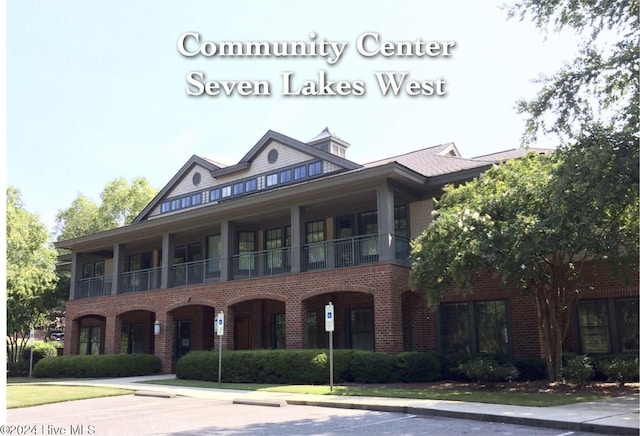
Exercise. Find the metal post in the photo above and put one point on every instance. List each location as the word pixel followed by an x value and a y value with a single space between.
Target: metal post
pixel 331 361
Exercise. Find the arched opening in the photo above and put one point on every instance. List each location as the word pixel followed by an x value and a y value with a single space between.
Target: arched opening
pixel 259 324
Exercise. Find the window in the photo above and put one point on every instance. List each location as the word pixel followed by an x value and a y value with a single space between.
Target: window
pixel 491 327
pixel 272 179
pixel 315 250
pixel 608 325
pixel 474 327
pixel 226 191
pixel 132 339
pixel 90 338
pixel 361 329
pixel 246 251
pixel 238 188
pixel 300 172
pixel 214 255
pixel 93 269
pixel 454 328
pixel 251 185
pixel 593 322
pixel 315 169
pixel 185 202
pixel 285 176
pixel 196 199
pixel 165 207
pixel 175 204
pixel 214 194
pixel 368 225
pixel 279 325
pixel 627 323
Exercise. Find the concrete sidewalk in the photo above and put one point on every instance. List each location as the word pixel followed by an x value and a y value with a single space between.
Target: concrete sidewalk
pixel 619 416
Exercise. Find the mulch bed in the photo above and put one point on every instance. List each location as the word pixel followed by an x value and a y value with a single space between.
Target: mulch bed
pixel 596 388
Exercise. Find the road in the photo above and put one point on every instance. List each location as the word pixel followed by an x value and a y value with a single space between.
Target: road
pixel 183 416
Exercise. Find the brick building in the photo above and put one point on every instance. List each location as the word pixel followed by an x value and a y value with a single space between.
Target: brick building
pixel 293 226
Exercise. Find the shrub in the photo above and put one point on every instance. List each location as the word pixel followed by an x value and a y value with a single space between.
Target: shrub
pixel 370 367
pixel 418 367
pixel 578 370
pixel 18 369
pixel 95 366
pixel 40 351
pixel 483 370
pixel 531 369
pixel 619 370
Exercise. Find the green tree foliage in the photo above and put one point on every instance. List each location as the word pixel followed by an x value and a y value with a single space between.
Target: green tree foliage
pixel 120 203
pixel 600 86
pixel 31 279
pixel 538 224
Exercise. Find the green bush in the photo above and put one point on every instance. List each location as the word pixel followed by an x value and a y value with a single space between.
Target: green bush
pixel 530 369
pixel 18 369
pixel 619 370
pixel 418 367
pixel 578 370
pixel 369 367
pixel 484 370
pixel 40 351
pixel 308 366
pixel 96 366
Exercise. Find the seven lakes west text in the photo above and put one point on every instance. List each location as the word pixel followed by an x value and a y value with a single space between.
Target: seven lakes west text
pixel 368 45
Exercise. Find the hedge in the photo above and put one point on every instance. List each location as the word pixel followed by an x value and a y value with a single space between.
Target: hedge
pixel 96 366
pixel 308 366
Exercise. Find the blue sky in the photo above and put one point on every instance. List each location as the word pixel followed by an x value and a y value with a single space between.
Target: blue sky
pixel 97 89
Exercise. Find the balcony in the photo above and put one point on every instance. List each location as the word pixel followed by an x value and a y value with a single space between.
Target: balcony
pixel 337 253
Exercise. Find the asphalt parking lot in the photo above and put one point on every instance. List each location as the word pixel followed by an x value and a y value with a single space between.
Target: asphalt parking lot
pixel 186 416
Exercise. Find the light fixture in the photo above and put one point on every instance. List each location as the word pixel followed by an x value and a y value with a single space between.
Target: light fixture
pixel 156 328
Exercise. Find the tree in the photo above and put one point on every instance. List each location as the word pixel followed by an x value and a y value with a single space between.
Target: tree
pixel 31 279
pixel 538 224
pixel 120 204
pixel 600 86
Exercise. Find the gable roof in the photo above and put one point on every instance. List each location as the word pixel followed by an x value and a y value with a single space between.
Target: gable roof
pixel 270 136
pixel 193 160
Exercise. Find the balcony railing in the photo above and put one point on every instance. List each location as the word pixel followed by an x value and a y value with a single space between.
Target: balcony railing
pixel 195 273
pixel 261 263
pixel 337 253
pixel 140 280
pixel 93 287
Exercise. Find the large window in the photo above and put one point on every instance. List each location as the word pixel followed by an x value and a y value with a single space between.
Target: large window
pixel 361 329
pixel 608 325
pixel 132 339
pixel 474 327
pixel 90 338
pixel 246 251
pixel 316 250
pixel 593 321
pixel 214 255
pixel 275 242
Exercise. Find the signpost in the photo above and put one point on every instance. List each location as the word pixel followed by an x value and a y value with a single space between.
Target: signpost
pixel 220 332
pixel 32 335
pixel 329 326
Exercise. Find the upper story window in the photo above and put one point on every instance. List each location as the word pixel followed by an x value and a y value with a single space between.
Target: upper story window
pixel 315 169
pixel 300 172
pixel 181 202
pixel 285 176
pixel 251 185
pixel 238 188
pixel 226 191
pixel 214 194
pixel 271 179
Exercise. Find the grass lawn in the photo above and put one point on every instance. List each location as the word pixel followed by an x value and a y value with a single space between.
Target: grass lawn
pixel 26 395
pixel 538 399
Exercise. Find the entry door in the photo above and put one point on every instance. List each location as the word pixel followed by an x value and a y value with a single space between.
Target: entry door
pixel 183 338
pixel 344 248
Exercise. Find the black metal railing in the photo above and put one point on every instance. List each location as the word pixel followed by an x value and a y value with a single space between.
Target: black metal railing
pixel 337 253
